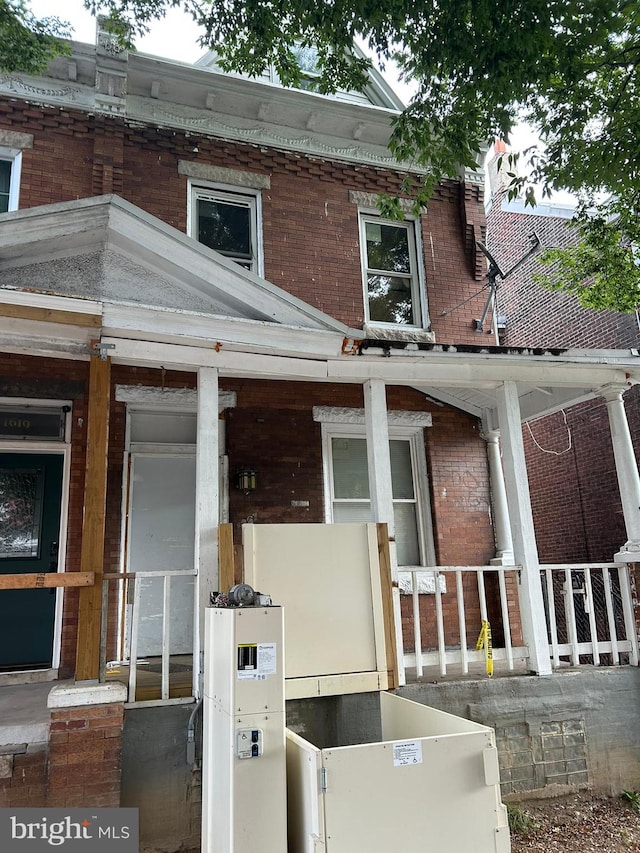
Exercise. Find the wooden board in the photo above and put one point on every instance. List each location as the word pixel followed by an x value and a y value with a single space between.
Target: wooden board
pixel 33 580
pixel 386 588
pixel 50 315
pixel 226 557
pixel 93 526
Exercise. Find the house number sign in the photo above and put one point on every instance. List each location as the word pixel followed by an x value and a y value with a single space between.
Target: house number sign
pixel 32 424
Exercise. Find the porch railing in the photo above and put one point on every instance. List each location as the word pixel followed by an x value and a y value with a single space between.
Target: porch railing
pixel 589 614
pixel 588 610
pixel 430 639
pixel 130 597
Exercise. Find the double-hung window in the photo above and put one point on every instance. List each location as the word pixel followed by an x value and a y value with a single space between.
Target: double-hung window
pixel 391 272
pixel 229 222
pixel 10 162
pixel 347 487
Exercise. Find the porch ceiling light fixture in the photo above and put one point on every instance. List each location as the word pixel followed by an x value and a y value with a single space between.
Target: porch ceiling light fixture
pixel 246 479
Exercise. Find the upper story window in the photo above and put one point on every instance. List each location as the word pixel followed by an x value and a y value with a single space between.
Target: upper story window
pixel 229 221
pixel 10 162
pixel 391 272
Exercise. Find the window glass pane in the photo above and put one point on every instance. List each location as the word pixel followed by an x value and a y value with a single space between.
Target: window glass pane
pixel 390 299
pixel 163 427
pixel 350 472
pixel 20 512
pixel 307 57
pixel 5 184
pixel 407 545
pixel 387 247
pixel 401 472
pixel 225 227
pixel 355 512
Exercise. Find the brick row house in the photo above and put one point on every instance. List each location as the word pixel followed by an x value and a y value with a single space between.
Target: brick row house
pixel 204 319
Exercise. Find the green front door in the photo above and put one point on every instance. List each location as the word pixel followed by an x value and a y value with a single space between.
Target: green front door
pixel 30 501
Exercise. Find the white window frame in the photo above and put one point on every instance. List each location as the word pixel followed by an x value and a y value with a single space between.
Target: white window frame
pixel 417 275
pixel 13 156
pixel 415 436
pixel 245 196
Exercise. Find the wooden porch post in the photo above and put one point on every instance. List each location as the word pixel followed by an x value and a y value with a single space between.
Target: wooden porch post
pixel 93 521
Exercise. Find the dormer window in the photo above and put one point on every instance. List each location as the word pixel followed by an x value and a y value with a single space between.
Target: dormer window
pixel 307 58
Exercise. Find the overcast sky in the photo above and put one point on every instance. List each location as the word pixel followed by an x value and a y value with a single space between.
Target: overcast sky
pixel 172 38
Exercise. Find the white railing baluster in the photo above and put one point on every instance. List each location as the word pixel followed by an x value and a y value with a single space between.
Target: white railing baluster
pixel 462 623
pixel 482 595
pixel 553 624
pixel 506 624
pixel 627 609
pixel 442 647
pixel 166 635
pixel 591 612
pixel 611 618
pixel 133 645
pixel 417 629
pixel 570 614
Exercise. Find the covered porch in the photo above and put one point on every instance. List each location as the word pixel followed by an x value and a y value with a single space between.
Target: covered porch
pixel 184 407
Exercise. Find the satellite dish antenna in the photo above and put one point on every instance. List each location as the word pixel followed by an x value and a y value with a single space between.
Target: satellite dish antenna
pixel 495 271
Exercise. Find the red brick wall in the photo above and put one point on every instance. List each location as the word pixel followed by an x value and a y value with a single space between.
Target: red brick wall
pixel 85 746
pixel 536 316
pixel 574 495
pixel 23 776
pixel 311 240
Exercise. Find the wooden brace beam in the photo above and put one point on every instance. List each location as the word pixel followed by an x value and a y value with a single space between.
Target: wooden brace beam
pixel 34 580
pixel 50 315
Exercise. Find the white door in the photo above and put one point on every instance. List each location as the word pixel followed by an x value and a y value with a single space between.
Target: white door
pixel 161 538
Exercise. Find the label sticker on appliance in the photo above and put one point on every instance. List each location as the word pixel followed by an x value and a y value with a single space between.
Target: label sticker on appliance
pixel 407 752
pixel 256 661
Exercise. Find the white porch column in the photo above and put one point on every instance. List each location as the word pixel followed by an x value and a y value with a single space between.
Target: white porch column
pixel 627 471
pixel 501 525
pixel 524 541
pixel 206 530
pixel 380 489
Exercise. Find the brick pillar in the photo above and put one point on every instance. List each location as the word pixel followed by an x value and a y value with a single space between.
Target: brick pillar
pixel 85 745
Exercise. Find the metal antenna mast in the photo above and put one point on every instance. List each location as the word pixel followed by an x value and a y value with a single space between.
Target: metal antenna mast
pixel 494 272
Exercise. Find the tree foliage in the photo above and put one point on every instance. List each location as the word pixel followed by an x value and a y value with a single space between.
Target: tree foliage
pixel 568 67
pixel 27 43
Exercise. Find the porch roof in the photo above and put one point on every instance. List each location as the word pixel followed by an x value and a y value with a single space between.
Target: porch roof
pixel 103 269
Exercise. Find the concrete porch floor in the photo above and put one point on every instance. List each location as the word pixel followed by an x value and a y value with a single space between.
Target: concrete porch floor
pixel 24 716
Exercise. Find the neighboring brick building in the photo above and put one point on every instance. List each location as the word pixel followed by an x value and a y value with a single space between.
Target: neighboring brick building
pixel 205 319
pixel 570 462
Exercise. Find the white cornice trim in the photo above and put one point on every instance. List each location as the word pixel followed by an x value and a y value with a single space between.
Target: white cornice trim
pixel 254 132
pixel 339 415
